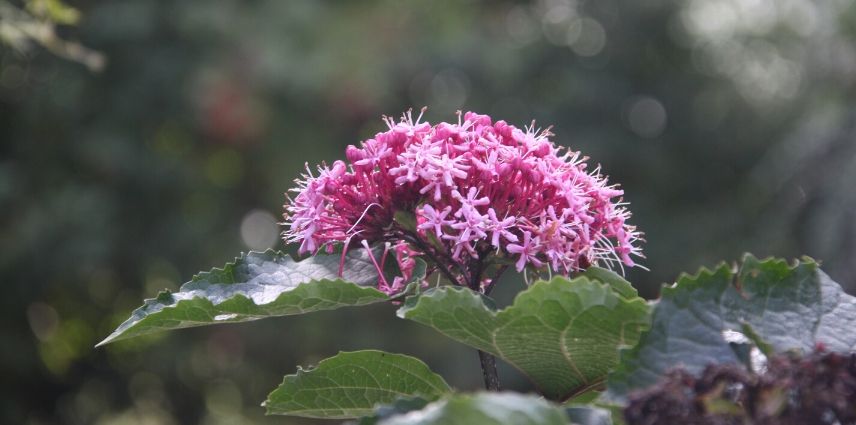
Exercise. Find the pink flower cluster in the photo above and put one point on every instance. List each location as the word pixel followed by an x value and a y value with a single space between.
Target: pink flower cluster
pixel 477 189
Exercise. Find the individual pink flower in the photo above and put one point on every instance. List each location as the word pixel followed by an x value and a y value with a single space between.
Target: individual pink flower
pixel 482 194
pixel 435 219
pixel 500 228
pixel 527 252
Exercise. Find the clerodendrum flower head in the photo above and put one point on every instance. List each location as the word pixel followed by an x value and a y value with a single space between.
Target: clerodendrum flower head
pixel 466 195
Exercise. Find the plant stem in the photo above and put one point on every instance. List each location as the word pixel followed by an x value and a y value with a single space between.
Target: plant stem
pixel 427 251
pixel 475 282
pixel 495 279
pixel 488 366
pixel 487 360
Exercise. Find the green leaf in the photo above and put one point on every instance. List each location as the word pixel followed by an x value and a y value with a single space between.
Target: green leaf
pixel 776 306
pixel 583 398
pixel 259 285
pixel 563 334
pixel 352 384
pixel 484 409
pixel 618 284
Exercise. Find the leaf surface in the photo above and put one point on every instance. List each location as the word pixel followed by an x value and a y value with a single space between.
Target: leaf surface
pixel 564 334
pixel 259 285
pixel 353 384
pixel 769 304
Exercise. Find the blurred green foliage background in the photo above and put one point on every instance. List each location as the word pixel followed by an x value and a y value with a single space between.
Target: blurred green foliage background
pixel 731 124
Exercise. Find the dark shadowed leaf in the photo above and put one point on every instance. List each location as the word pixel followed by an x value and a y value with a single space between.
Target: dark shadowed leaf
pixel 770 304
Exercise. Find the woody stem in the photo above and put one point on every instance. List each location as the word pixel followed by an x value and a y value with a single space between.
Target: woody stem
pixel 487 360
pixel 429 253
pixel 488 366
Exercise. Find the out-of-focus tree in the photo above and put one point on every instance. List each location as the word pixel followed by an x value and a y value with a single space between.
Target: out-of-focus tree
pixel 37 24
pixel 729 122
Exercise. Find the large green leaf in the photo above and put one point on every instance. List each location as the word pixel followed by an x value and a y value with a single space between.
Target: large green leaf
pixel 483 409
pixel 564 334
pixel 351 385
pixel 774 305
pixel 259 285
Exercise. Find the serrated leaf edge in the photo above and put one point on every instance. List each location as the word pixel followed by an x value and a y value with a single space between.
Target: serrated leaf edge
pixel 413 302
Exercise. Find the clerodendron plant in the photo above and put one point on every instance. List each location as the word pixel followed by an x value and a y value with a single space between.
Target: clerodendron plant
pixel 433 215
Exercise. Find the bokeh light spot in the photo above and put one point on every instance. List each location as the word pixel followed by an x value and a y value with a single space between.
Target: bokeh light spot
pixel 259 230
pixel 591 39
pixel 224 399
pixel 449 90
pixel 43 319
pixel 521 26
pixel 646 117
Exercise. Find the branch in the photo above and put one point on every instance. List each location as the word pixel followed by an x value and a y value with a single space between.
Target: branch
pixel 428 252
pixel 499 272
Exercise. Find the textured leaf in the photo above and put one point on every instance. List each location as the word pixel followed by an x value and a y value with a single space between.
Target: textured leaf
pixel 484 409
pixel 563 334
pixel 259 285
pixel 618 284
pixel 776 306
pixel 351 385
